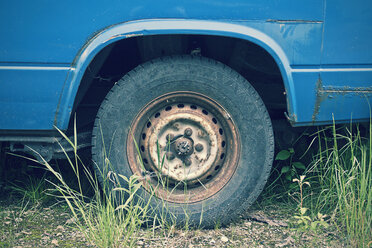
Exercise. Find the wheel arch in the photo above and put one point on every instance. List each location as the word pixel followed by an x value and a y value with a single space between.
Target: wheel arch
pixel 128 30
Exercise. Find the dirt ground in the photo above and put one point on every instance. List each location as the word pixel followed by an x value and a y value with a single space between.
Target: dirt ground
pixel 266 227
pixel 266 224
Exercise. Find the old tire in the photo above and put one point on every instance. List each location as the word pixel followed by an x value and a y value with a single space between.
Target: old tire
pixel 213 172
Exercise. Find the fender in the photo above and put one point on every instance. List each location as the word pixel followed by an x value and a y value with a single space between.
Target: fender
pixel 168 26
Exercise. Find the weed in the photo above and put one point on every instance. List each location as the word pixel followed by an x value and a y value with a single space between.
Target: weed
pixel 342 175
pixel 33 191
pixel 106 219
pixel 290 170
pixel 116 211
pixel 305 222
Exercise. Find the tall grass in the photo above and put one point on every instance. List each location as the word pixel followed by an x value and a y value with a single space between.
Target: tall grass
pixel 341 175
pixel 33 190
pixel 114 214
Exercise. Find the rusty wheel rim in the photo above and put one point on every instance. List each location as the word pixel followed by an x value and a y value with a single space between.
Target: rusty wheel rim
pixel 185 145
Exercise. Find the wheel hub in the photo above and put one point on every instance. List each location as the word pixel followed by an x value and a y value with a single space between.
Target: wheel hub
pixel 188 164
pixel 184 147
pixel 183 137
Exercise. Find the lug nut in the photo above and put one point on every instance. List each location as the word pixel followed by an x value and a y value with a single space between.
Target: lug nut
pixel 176 126
pixel 169 137
pixel 170 155
pixel 187 161
pixel 201 134
pixel 199 147
pixel 188 131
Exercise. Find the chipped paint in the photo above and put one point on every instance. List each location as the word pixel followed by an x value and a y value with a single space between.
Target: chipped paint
pixel 361 91
pixel 293 21
pixel 319 98
pixel 133 35
pixel 330 92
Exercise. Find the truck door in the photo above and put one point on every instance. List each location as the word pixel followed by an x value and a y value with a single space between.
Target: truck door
pixel 345 85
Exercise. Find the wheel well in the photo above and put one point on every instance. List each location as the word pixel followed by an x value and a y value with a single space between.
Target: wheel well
pixel 114 61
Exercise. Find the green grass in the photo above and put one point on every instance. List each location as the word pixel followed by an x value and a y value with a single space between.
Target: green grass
pixel 116 211
pixel 33 191
pixel 111 217
pixel 342 177
pixel 340 186
pixel 340 183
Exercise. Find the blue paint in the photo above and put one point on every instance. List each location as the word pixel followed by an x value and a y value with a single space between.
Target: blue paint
pixel 54 31
pixel 45 52
pixel 29 97
pixel 150 27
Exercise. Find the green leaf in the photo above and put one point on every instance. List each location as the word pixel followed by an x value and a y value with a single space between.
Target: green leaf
pixel 291 150
pixel 306 218
pixel 293 186
pixel 303 210
pixel 299 165
pixel 283 155
pixel 123 177
pixel 285 169
pixel 313 226
pixel 324 224
pixel 288 177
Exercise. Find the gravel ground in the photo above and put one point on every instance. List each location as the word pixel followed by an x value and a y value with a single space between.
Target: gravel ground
pixel 54 227
pixel 264 225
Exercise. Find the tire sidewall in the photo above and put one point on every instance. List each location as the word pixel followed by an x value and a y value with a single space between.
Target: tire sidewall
pixel 151 80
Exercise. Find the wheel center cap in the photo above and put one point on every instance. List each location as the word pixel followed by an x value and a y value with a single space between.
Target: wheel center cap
pixel 184 147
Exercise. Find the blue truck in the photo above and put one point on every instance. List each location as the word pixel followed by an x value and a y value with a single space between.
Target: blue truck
pixel 181 91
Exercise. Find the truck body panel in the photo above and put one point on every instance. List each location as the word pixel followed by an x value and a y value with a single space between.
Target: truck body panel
pixel 322 51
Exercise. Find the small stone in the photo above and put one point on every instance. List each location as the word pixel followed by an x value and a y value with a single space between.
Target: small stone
pixel 224 239
pixel 70 221
pixel 60 228
pixel 248 223
pixel 45 238
pixel 55 242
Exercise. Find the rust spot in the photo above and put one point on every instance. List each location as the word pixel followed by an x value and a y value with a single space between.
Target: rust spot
pixel 201 173
pixel 318 100
pixel 345 90
pixel 324 92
